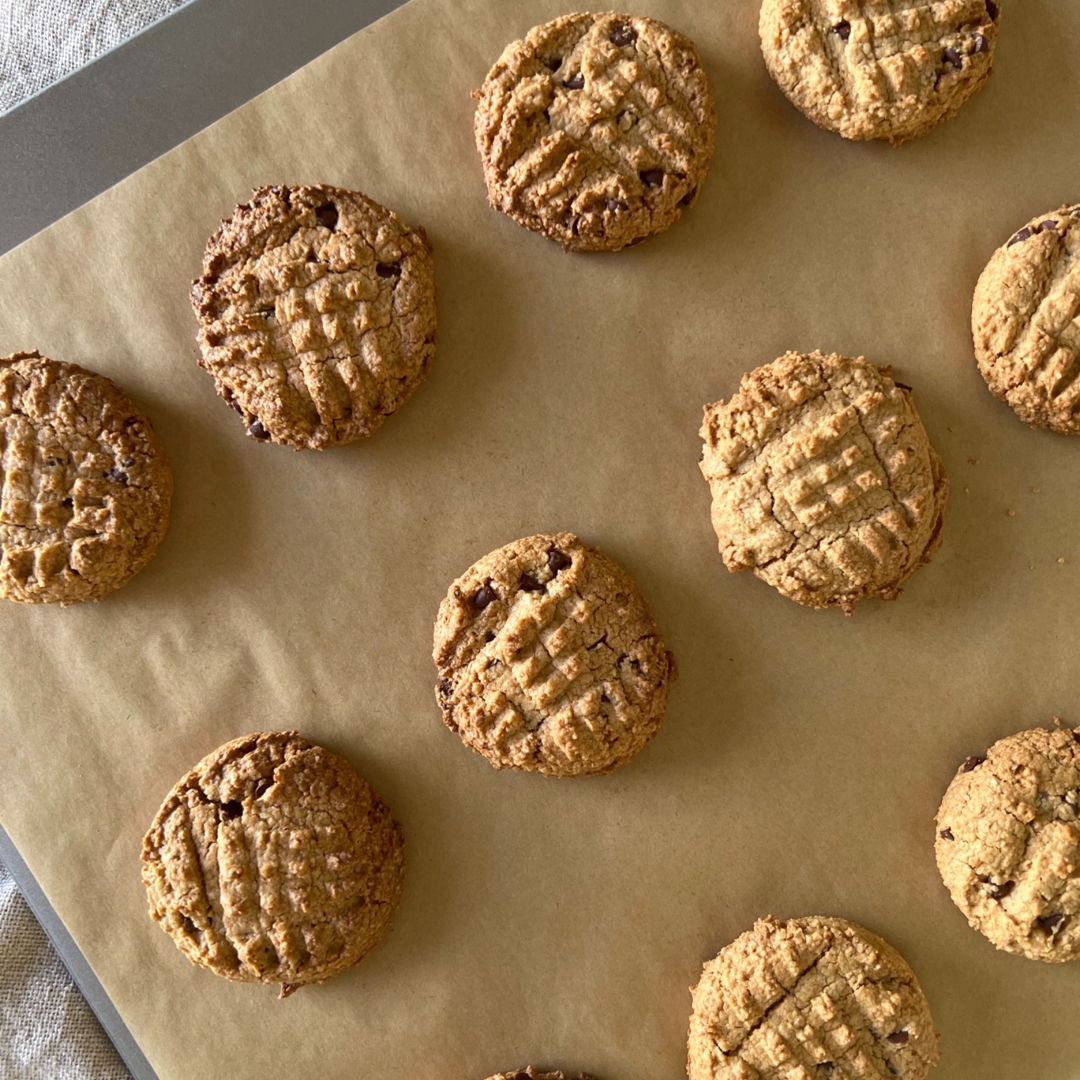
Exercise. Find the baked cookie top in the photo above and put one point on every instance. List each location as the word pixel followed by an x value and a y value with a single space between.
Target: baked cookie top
pixel 316 312
pixel 85 486
pixel 531 1074
pixel 1025 321
pixel 273 862
pixel 1008 843
pixel 812 997
pixel 875 69
pixel 823 481
pixel 549 659
pixel 596 130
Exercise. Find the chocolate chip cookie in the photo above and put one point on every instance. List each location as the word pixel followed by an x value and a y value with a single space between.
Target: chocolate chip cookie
pixel 809 998
pixel 316 313
pixel 273 862
pixel 596 130
pixel 823 481
pixel 549 659
pixel 84 488
pixel 876 69
pixel 1008 843
pixel 1025 320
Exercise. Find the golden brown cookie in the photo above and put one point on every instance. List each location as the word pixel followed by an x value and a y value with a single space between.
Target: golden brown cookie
pixel 85 486
pixel 549 659
pixel 823 481
pixel 316 313
pixel 273 862
pixel 1025 320
pixel 596 129
pixel 809 998
pixel 1008 843
pixel 875 69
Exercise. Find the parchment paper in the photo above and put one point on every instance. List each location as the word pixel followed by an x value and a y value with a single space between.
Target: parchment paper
pixel 804 754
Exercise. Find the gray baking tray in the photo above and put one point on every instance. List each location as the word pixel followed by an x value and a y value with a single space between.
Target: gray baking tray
pixel 80 136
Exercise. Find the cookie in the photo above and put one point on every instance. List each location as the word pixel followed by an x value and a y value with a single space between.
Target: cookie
pixel 549 659
pixel 596 130
pixel 531 1074
pixel 872 69
pixel 273 862
pixel 823 481
pixel 316 313
pixel 1025 321
pixel 85 486
pixel 1008 843
pixel 808 998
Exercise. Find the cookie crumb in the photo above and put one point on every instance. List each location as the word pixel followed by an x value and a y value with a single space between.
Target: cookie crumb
pixel 1011 513
pixel 1061 562
pixel 1035 491
pixel 973 461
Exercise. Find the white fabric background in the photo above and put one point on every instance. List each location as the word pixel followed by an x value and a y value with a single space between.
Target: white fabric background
pixel 44 40
pixel 47 1031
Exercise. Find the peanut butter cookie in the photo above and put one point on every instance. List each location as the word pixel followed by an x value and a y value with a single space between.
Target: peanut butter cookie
pixel 596 130
pixel 549 659
pixel 316 310
pixel 84 487
pixel 273 862
pixel 823 481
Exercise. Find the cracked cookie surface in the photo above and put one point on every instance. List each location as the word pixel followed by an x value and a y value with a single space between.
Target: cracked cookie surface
pixel 1025 322
pixel 808 999
pixel 549 659
pixel 273 862
pixel 823 481
pixel 879 69
pixel 84 483
pixel 596 130
pixel 317 314
pixel 1008 843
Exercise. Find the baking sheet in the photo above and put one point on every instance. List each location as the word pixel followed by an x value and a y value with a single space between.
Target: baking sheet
pixel 804 754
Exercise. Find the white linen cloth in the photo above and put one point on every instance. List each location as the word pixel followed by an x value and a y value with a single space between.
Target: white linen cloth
pixel 41 41
pixel 47 1031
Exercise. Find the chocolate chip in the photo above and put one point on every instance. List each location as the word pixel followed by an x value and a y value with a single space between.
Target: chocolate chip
pixel 117 476
pixel 652 177
pixel 310 257
pixel 623 34
pixel 571 222
pixel 946 834
pixel 999 892
pixel 263 786
pixel 553 63
pixel 327 215
pixel 189 926
pixel 443 687
pixel 575 82
pixel 234 404
pixel 527 583
pixel 484 596
pixel 1050 924
pixel 951 56
pixel 842 29
pixel 52 462
pixel 1022 235
pixel 1047 226
pixel 826 1068
pixel 257 431
pixel 558 560
pixel 981 44
pixel 67 504
pixel 971 763
pixel 127 462
pixel 688 198
pixel 231 809
pixel 904 386
pixel 388 270
pixel 898 1038
pixel 615 205
pixel 991 9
